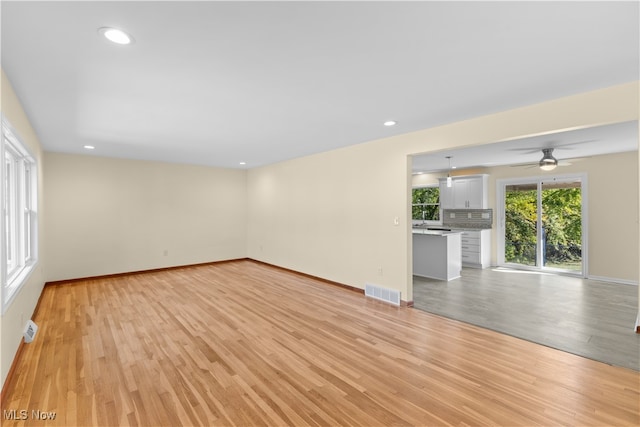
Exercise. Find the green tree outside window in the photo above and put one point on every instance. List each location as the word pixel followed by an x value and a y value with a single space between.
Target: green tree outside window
pixel 426 204
pixel 561 220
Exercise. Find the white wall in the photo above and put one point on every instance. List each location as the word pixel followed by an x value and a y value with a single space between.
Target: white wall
pixel 108 216
pixel 425 179
pixel 13 321
pixel 331 214
pixel 612 211
pixel 324 214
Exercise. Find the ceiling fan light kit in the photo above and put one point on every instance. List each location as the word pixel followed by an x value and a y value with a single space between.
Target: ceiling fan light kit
pixel 548 162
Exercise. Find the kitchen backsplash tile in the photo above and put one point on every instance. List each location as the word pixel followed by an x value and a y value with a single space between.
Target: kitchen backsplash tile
pixel 468 218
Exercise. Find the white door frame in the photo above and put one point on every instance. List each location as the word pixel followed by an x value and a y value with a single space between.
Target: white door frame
pixel 500 194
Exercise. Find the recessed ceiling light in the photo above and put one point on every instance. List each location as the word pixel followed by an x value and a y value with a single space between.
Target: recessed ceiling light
pixel 89 147
pixel 390 123
pixel 243 163
pixel 115 35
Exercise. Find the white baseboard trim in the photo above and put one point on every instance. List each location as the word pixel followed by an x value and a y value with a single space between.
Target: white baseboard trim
pixel 614 280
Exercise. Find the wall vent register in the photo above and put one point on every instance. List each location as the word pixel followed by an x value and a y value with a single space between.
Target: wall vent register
pixel 30 331
pixel 383 294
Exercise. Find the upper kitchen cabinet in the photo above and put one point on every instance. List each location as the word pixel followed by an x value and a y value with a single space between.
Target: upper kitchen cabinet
pixel 446 195
pixel 466 192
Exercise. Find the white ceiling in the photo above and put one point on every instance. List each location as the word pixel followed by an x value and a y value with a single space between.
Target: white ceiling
pixel 567 146
pixel 216 83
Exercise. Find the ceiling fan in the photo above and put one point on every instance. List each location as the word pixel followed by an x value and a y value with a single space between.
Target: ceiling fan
pixel 548 162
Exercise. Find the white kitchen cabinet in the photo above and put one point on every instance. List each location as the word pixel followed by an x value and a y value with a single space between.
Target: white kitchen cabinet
pixel 460 193
pixel 469 192
pixel 476 248
pixel 477 197
pixel 446 195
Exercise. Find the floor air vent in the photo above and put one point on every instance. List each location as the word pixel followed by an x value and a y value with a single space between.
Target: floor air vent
pixel 30 331
pixel 387 295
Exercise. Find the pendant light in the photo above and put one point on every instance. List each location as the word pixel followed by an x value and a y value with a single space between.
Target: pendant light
pixel 449 181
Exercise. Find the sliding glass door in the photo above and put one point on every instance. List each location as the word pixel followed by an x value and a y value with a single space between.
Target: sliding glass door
pixel 541 223
pixel 521 224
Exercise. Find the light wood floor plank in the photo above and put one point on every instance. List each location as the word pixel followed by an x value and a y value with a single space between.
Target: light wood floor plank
pixel 244 344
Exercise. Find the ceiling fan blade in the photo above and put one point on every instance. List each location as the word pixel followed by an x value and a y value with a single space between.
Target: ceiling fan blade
pixel 527 150
pixel 524 165
pixel 577 159
pixel 571 160
pixel 550 144
pixel 562 146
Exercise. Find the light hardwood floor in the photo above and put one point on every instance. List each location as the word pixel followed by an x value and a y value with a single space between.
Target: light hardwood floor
pixel 586 317
pixel 244 344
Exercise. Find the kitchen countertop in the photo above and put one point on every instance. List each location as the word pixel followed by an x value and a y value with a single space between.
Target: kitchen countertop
pixel 447 228
pixel 434 232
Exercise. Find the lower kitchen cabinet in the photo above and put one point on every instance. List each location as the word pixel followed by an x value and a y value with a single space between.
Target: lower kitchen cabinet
pixel 476 248
pixel 436 254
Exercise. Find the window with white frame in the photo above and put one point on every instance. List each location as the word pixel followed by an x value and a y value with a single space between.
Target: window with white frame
pixel 426 203
pixel 19 214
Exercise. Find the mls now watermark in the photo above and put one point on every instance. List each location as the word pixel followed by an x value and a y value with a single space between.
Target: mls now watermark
pixel 23 414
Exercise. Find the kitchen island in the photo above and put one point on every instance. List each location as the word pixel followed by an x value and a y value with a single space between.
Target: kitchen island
pixel 437 254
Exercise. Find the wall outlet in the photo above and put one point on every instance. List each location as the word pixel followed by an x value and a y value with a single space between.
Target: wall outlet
pixel 166 252
pixel 379 271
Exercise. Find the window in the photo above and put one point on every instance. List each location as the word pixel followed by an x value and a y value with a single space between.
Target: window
pixel 426 204
pixel 19 214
